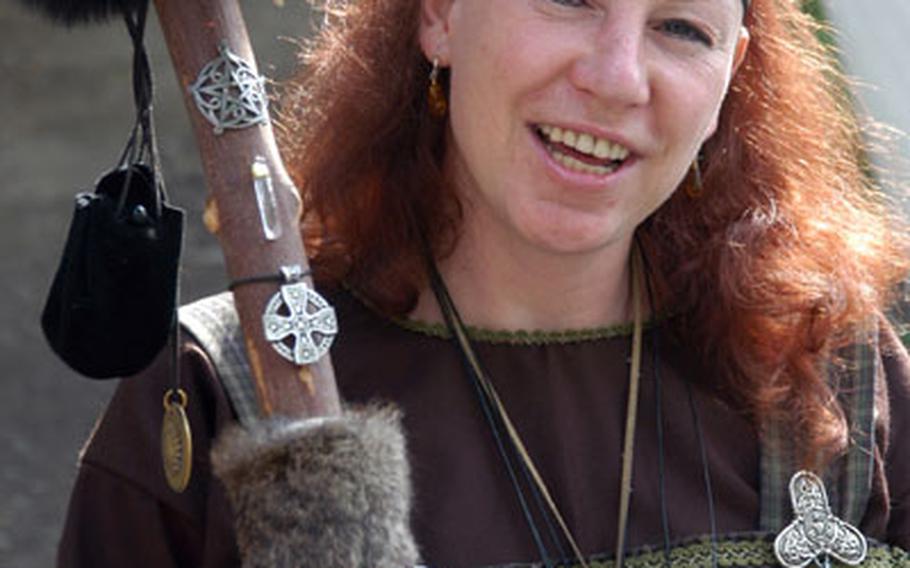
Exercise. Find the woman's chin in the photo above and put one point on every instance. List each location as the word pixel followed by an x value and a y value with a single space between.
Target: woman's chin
pixel 572 240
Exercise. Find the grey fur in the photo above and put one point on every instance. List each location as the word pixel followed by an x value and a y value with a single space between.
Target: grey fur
pixel 324 493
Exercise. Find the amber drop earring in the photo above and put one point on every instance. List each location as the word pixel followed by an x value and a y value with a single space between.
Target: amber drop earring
pixel 695 189
pixel 436 95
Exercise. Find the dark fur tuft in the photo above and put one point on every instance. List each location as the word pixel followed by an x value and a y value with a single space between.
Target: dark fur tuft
pixel 71 12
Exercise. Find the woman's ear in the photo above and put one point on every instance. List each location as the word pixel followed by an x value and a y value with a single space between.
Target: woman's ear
pixel 742 47
pixel 739 55
pixel 434 30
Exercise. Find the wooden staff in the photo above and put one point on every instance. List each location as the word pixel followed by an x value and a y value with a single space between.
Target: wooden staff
pixel 194 30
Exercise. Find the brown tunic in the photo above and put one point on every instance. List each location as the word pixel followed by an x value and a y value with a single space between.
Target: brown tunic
pixel 567 396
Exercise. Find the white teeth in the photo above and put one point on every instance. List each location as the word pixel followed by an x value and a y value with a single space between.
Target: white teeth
pixel 585 143
pixel 578 165
pixel 600 148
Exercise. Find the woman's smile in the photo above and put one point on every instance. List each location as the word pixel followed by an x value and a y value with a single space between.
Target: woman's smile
pixel 582 151
pixel 580 158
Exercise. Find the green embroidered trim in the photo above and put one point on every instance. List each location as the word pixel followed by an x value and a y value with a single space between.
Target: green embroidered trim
pixel 885 557
pixel 754 552
pixel 740 554
pixel 520 337
pixel 509 337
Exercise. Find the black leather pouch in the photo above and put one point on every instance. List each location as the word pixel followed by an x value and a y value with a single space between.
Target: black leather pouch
pixel 112 301
pixel 112 304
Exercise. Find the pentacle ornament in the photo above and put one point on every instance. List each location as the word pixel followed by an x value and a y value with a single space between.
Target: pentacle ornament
pixel 299 323
pixel 817 535
pixel 176 441
pixel 229 93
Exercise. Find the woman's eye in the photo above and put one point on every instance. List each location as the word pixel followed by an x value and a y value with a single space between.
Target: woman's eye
pixel 571 3
pixel 687 31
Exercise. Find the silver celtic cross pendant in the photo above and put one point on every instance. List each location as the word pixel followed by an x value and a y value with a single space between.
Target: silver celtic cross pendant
pixel 299 323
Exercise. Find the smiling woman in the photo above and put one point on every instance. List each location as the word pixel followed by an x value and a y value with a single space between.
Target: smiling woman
pixel 500 196
pixel 645 79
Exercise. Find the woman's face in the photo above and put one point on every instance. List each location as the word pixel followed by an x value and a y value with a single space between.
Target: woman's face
pixel 573 120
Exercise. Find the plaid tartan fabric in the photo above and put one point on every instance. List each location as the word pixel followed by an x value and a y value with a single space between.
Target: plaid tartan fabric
pixel 214 324
pixel 849 481
pixel 776 468
pixel 857 396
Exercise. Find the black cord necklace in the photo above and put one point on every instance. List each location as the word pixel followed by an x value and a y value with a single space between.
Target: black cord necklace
pixel 523 474
pixel 505 446
pixel 508 441
pixel 696 425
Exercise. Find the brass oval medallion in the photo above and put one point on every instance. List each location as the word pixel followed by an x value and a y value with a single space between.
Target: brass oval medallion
pixel 176 441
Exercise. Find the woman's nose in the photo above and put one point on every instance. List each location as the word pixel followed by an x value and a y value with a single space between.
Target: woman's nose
pixel 612 67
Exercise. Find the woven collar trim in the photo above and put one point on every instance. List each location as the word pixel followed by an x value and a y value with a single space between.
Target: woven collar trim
pixel 749 550
pixel 507 336
pixel 520 337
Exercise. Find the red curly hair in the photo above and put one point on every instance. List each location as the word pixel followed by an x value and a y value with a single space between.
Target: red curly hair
pixel 790 248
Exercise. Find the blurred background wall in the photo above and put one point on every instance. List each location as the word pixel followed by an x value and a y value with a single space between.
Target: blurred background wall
pixel 65 109
pixel 874 43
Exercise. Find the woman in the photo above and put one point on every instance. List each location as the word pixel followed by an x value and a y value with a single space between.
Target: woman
pixel 566 167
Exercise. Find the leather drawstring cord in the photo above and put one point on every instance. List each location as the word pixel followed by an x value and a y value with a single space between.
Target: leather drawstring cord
pixel 490 409
pixel 628 447
pixel 706 474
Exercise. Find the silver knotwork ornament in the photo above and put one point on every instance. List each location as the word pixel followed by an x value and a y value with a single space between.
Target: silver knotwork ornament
pixel 229 93
pixel 817 535
pixel 299 323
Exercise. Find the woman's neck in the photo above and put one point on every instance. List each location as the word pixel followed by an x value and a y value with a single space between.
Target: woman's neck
pixel 510 284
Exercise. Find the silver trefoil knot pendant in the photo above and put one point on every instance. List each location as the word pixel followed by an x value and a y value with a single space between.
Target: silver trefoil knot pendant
pixel 816 535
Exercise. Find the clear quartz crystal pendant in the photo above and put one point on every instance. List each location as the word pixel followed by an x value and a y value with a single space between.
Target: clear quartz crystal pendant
pixel 266 200
pixel 229 93
pixel 816 535
pixel 299 323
